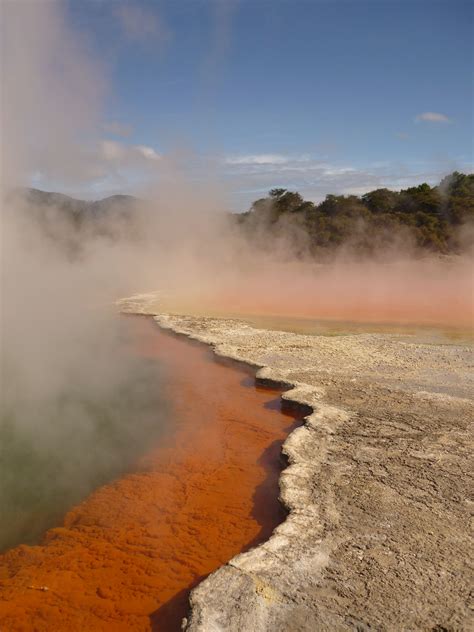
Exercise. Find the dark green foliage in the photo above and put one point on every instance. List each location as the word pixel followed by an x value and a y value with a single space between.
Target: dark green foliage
pixel 430 218
pixel 458 190
pixel 288 202
pixel 380 200
pixel 276 193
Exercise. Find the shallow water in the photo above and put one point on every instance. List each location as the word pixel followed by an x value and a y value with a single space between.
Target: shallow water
pixel 411 333
pixel 126 557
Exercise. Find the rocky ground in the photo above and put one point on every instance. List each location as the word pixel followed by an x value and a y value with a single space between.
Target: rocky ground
pixel 377 487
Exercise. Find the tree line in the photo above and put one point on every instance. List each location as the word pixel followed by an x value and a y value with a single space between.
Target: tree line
pixel 438 219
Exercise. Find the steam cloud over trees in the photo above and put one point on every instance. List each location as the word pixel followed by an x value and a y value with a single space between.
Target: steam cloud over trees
pixel 438 219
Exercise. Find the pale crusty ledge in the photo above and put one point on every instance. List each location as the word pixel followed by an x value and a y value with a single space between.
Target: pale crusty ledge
pixel 377 535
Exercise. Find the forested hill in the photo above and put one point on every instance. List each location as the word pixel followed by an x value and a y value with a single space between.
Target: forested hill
pixel 439 218
pixel 68 223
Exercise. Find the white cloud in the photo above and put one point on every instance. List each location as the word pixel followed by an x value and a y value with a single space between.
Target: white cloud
pixel 280 165
pixel 314 178
pixel 257 159
pixel 118 153
pixel 147 152
pixel 265 159
pixel 433 117
pixel 336 171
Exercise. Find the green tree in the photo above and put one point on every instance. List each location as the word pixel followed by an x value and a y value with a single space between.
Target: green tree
pixel 277 193
pixel 381 200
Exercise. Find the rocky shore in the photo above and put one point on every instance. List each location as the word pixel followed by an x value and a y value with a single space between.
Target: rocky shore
pixel 376 488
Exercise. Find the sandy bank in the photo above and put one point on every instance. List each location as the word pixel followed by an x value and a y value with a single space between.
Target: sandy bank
pixel 377 535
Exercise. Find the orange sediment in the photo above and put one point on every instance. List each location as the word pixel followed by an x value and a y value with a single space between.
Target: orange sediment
pixel 126 557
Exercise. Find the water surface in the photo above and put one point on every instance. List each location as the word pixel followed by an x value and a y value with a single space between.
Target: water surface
pixel 125 558
pixel 57 447
pixel 424 334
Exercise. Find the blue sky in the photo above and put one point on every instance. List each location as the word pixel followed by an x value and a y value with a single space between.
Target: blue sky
pixel 320 96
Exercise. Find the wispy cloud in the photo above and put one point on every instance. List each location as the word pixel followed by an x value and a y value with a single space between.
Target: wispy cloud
pixel 265 159
pixel 117 129
pixel 280 166
pixel 433 117
pixel 256 159
pixel 127 155
pixel 140 24
pixel 314 178
pixel 147 152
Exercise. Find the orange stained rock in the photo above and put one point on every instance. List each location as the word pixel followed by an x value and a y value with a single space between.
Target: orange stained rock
pixel 126 557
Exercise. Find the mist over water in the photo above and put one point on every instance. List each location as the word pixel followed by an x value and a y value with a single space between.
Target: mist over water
pixel 58 446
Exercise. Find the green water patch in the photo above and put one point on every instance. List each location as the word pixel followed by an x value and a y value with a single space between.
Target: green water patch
pixel 57 449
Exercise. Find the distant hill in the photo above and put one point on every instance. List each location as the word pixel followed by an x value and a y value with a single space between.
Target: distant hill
pixel 69 223
pixel 115 203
